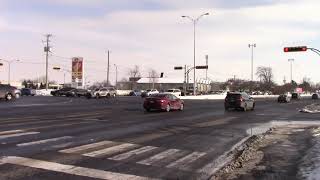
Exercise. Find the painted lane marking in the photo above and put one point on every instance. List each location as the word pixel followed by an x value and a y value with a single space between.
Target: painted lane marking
pixel 11 131
pixel 44 141
pixel 85 147
pixel 133 153
pixel 183 162
pixel 158 157
pixel 111 150
pixel 18 134
pixel 69 169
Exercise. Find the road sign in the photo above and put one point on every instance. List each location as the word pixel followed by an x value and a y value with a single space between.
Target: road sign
pixel 295 49
pixel 299 90
pixel 178 67
pixel 201 67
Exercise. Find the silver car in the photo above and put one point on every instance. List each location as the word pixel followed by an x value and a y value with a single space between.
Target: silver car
pixel 105 92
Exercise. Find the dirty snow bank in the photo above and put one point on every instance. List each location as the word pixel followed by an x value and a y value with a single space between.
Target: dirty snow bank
pixel 312 108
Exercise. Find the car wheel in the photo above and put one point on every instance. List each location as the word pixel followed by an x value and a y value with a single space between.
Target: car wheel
pixel 9 97
pixel 181 107
pixel 148 109
pixel 98 96
pixel 168 108
pixel 108 96
pixel 244 108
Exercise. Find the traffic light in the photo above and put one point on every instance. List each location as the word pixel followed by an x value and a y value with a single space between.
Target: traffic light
pixel 1 64
pixel 161 75
pixel 295 49
pixel 178 67
pixel 201 67
pixel 56 68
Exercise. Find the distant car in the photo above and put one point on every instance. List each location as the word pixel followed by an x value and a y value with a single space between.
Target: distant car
pixel 315 96
pixel 105 92
pixel 149 92
pixel 239 100
pixel 77 93
pixel 163 101
pixel 62 92
pixel 284 98
pixel 28 92
pixel 135 93
pixel 295 96
pixel 8 92
pixel 176 92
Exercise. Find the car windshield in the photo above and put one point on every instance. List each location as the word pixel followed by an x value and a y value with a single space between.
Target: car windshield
pixel 158 95
pixel 170 90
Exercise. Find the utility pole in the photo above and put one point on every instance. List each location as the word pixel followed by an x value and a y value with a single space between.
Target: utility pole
pixel 207 58
pixel 291 60
pixel 108 67
pixel 47 50
pixel 252 46
pixel 185 80
pixel 116 74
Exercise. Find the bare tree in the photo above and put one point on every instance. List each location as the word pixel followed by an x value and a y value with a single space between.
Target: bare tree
pixel 135 71
pixel 266 76
pixel 153 77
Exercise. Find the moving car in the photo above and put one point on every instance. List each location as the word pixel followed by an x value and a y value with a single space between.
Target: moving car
pixel 77 93
pixel 284 98
pixel 28 92
pixel 295 96
pixel 176 92
pixel 149 92
pixel 62 92
pixel 135 93
pixel 8 92
pixel 105 92
pixel 239 100
pixel 163 101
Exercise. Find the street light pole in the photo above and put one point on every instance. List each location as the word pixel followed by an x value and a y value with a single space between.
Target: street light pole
pixel 291 60
pixel 116 74
pixel 9 68
pixel 252 46
pixel 194 21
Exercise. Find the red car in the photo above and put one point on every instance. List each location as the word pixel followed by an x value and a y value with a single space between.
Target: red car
pixel 164 102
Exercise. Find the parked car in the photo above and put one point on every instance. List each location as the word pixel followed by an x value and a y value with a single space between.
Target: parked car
pixel 163 101
pixel 284 98
pixel 315 96
pixel 77 93
pixel 28 92
pixel 8 92
pixel 105 92
pixel 295 96
pixel 239 100
pixel 176 92
pixel 149 92
pixel 62 92
pixel 135 93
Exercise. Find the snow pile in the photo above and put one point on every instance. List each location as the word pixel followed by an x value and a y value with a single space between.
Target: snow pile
pixel 312 108
pixel 310 167
pixel 44 92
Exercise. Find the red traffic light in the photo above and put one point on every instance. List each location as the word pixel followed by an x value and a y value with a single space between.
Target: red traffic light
pixel 295 49
pixel 201 67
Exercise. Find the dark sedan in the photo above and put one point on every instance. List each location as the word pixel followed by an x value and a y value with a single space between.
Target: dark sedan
pixel 28 92
pixel 8 92
pixel 163 101
pixel 77 93
pixel 284 98
pixel 62 92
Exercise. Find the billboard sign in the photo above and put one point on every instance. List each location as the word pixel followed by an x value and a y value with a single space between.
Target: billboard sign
pixel 299 90
pixel 77 72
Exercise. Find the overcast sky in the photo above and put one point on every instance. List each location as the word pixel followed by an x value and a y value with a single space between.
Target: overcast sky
pixel 152 34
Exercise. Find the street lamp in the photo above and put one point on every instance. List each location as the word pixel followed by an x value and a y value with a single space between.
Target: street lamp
pixel 194 21
pixel 9 67
pixel 291 61
pixel 116 74
pixel 252 46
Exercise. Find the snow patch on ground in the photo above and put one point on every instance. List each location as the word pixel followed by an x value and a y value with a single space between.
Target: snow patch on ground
pixel 222 96
pixel 312 108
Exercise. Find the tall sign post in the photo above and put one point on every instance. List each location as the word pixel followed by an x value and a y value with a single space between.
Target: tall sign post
pixel 77 72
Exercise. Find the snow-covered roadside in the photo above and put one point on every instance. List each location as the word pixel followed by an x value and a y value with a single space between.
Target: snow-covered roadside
pixel 312 108
pixel 44 92
pixel 222 96
pixel 310 167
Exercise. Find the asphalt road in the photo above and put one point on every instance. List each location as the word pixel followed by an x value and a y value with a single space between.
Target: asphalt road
pixel 76 138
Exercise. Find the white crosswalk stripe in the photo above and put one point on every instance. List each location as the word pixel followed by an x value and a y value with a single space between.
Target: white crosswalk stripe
pixel 185 161
pixel 111 150
pixel 154 159
pixel 86 147
pixel 11 132
pixel 44 141
pixel 133 153
pixel 17 135
pixel 69 169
